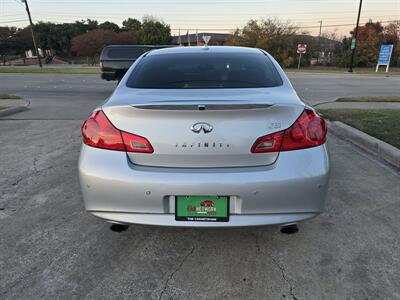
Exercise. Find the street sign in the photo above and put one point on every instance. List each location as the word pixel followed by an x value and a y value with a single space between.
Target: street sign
pixel 385 54
pixel 353 43
pixel 301 48
pixel 384 57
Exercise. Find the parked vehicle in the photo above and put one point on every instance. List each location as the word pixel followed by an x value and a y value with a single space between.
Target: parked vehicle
pixel 222 122
pixel 115 60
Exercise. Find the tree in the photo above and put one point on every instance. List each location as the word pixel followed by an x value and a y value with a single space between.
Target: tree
pixel 370 38
pixel 154 32
pixel 91 43
pixel 109 26
pixel 7 35
pixel 331 45
pixel 272 35
pixel 48 35
pixel 22 40
pixel 57 37
pixel 130 24
pixel 85 25
pixel 392 36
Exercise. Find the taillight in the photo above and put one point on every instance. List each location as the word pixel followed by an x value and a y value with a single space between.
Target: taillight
pixel 308 131
pixel 136 143
pixel 268 143
pixel 99 132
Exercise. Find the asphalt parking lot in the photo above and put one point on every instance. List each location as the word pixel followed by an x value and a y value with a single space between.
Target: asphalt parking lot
pixel 51 248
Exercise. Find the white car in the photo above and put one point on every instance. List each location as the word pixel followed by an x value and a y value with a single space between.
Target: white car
pixel 204 137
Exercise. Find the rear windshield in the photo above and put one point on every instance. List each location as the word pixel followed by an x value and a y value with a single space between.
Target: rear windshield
pixel 204 71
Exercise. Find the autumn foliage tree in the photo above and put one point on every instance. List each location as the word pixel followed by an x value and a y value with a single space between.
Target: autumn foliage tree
pixel 370 38
pixel 392 36
pixel 272 35
pixel 91 43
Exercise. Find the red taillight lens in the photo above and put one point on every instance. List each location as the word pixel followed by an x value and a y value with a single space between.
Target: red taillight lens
pixel 99 132
pixel 268 143
pixel 135 143
pixel 308 131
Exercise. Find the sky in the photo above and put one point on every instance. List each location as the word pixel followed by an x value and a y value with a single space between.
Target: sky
pixel 206 15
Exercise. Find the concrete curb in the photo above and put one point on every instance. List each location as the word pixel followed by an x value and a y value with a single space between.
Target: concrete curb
pixel 374 146
pixel 15 109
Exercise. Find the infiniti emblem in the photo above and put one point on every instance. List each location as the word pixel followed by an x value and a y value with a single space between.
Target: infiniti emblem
pixel 201 126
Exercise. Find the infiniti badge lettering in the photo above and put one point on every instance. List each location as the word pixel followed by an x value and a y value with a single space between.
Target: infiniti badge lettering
pixel 201 126
pixel 201 145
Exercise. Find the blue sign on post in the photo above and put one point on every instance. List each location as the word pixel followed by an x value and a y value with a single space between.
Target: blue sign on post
pixel 384 56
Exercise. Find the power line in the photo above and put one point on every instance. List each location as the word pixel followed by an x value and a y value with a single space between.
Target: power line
pixel 299 22
pixel 232 29
pixel 14 21
pixel 312 20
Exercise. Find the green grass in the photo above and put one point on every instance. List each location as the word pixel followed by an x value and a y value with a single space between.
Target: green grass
pixel 8 96
pixel 370 99
pixel 51 70
pixel 381 123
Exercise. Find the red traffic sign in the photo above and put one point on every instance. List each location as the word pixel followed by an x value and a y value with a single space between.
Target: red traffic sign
pixel 301 48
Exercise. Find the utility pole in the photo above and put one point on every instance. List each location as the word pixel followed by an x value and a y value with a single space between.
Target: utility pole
pixel 319 40
pixel 320 28
pixel 33 34
pixel 354 40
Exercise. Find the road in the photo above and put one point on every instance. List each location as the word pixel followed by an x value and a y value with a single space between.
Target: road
pixel 317 88
pixel 50 248
pixel 56 96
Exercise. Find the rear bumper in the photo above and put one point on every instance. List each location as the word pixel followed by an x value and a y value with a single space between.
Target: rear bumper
pixel 291 190
pixel 235 220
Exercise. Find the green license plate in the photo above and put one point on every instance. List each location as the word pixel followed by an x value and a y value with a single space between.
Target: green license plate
pixel 202 208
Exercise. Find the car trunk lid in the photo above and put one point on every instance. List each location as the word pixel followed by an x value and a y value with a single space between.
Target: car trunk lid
pixel 203 134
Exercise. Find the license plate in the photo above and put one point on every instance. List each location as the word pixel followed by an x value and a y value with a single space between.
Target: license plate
pixel 202 208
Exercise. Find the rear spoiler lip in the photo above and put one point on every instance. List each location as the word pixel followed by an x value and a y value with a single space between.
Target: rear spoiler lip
pixel 200 105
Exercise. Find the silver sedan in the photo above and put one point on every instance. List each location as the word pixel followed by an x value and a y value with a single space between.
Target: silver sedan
pixel 204 137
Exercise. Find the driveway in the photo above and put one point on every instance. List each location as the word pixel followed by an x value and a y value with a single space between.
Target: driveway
pixel 50 248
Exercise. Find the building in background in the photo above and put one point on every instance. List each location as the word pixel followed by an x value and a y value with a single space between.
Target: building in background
pixel 217 39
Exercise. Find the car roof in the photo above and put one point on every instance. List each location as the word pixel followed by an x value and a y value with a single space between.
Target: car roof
pixel 202 49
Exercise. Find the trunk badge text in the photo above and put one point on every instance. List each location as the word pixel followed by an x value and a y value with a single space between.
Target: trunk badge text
pixel 198 128
pixel 201 126
pixel 201 145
